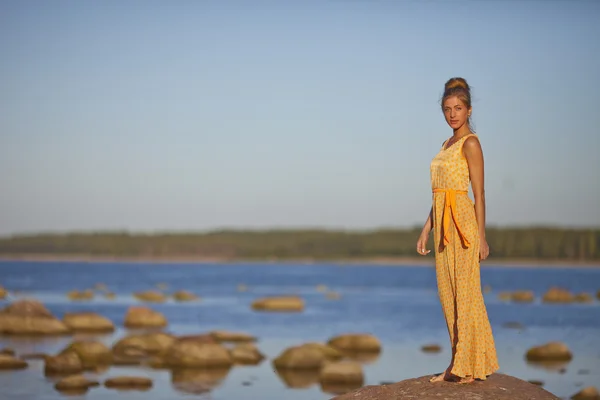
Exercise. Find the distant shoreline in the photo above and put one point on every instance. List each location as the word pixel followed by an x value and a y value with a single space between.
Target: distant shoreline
pixel 379 261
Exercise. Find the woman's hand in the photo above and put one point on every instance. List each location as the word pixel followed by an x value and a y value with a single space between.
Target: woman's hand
pixel 422 243
pixel 484 249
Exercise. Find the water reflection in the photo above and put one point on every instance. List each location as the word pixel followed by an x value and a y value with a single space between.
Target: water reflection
pixel 198 381
pixel 550 366
pixel 339 388
pixel 298 379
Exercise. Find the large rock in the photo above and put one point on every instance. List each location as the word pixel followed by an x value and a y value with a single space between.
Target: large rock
pixel 193 354
pixel 92 354
pixel 300 358
pixel 63 363
pixel 147 343
pixel 235 337
pixel 496 387
pixel 246 354
pixel 88 322
pixel 184 295
pixel 356 342
pixel 128 383
pixel 10 362
pixel 144 317
pixel 75 383
pixel 30 317
pixel 552 351
pixel 588 393
pixel 281 303
pixel 557 295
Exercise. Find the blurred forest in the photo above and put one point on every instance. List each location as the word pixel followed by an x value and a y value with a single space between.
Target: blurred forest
pixel 505 243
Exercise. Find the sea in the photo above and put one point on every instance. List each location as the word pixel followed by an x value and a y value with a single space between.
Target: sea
pixel 397 304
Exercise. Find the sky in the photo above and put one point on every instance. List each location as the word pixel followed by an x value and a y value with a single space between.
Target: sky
pixel 153 116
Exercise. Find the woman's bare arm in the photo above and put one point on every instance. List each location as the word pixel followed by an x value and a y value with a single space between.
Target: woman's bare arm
pixel 474 155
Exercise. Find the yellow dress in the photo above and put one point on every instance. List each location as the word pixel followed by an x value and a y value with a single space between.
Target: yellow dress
pixel 456 243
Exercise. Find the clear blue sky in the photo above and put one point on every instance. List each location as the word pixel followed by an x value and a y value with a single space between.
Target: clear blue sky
pixel 197 115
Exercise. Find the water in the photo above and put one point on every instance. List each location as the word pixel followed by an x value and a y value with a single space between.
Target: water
pixel 397 304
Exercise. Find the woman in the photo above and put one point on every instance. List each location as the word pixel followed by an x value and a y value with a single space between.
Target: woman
pixel 459 237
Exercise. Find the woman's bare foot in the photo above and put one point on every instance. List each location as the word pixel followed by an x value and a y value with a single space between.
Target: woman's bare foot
pixel 468 379
pixel 438 378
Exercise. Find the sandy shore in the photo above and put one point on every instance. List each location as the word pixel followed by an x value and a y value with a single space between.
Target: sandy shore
pixel 382 261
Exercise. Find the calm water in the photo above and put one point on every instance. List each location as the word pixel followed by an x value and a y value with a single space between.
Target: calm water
pixel 398 305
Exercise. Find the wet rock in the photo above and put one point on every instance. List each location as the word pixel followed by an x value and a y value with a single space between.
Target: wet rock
pixel 75 383
pixel 583 298
pixel 235 337
pixel 552 351
pixel 522 296
pixel 189 354
pixel 279 303
pixel 7 352
pixel 148 343
pixel 10 362
pixel 92 354
pixel 431 348
pixel 30 317
pixel 536 382
pixel 144 317
pixel 356 342
pixel 183 295
pixel 151 296
pixel 3 293
pixel 88 322
pixel 300 357
pixel 330 353
pixel 496 387
pixel 68 362
pixel 128 383
pixel 598 294
pixel 246 354
pixel 588 393
pixel 557 295
pixel 81 295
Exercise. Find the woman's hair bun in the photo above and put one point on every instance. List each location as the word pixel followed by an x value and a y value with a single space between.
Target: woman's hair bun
pixel 455 83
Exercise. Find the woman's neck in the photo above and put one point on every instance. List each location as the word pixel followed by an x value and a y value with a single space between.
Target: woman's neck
pixel 462 131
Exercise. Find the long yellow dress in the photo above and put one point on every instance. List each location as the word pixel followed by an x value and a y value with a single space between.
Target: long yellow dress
pixel 456 242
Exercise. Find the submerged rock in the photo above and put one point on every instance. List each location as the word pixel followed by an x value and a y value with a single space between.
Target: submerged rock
pixel 281 303
pixel 496 387
pixel 144 317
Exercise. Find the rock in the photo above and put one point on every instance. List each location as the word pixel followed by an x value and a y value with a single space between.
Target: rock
pixel 557 295
pixel 356 342
pixel 300 357
pixel 7 352
pixel 144 317
pixel 183 295
pixel 583 298
pixel 552 351
pixel 10 362
pixel 536 382
pixel 81 295
pixel 281 303
pixel 246 354
pixel 68 362
pixel 496 387
pixel 333 295
pixel 190 354
pixel 522 296
pixel 30 317
pixel 598 294
pixel 236 337
pixel 148 343
pixel 128 383
pixel 88 322
pixel 75 383
pixel 588 393
pixel 431 348
pixel 151 296
pixel 92 354
pixel 330 353
pixel 3 293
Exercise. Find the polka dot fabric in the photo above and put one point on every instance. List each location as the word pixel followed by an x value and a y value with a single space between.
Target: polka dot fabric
pixel 457 266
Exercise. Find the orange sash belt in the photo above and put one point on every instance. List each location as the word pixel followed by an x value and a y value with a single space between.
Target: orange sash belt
pixel 450 209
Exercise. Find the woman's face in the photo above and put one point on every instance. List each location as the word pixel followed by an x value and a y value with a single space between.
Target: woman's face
pixel 455 112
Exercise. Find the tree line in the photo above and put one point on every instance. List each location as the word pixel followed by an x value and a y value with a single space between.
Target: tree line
pixel 505 243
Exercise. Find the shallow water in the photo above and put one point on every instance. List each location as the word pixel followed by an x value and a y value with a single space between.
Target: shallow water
pixel 398 305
